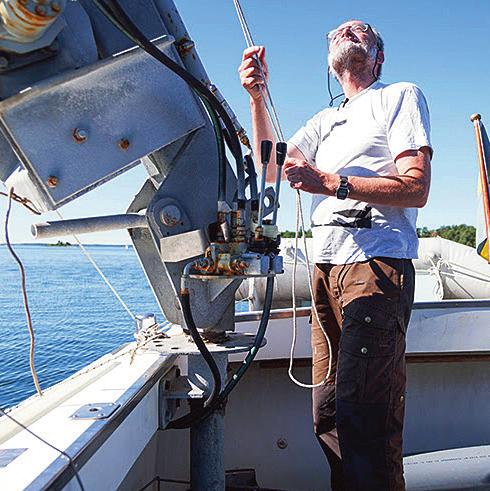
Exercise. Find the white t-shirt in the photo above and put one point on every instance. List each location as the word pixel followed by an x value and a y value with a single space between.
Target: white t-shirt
pixel 363 138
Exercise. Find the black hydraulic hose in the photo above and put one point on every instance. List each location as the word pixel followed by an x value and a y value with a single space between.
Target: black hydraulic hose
pixel 196 417
pixel 254 192
pixel 259 338
pixel 240 173
pixel 208 358
pixel 218 133
pixel 117 16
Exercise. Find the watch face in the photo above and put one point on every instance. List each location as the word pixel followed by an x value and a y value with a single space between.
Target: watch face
pixel 342 192
pixel 343 189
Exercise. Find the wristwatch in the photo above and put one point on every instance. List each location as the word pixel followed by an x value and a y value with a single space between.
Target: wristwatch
pixel 343 189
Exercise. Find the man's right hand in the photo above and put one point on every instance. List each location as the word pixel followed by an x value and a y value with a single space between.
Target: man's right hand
pixel 249 71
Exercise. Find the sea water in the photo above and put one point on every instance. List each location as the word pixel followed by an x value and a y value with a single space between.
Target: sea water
pixel 76 317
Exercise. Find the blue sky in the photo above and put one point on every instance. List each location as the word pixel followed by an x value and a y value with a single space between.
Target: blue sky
pixel 442 46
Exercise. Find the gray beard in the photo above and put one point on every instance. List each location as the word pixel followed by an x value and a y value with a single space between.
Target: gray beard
pixel 350 57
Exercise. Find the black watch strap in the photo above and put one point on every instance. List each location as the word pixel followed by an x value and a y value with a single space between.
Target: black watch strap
pixel 343 189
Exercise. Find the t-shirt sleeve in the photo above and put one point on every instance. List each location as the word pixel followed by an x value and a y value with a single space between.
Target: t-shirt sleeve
pixel 408 122
pixel 307 139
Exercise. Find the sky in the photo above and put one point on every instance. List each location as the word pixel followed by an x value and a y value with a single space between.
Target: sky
pixel 442 46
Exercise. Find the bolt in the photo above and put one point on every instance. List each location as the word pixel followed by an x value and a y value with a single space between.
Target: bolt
pixel 170 215
pixel 40 10
pixel 184 46
pixel 55 7
pixel 123 144
pixel 80 135
pixel 364 351
pixel 4 63
pixel 282 443
pixel 367 319
pixel 52 181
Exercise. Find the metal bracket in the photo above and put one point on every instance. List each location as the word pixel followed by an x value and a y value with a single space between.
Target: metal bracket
pixel 181 388
pixel 102 410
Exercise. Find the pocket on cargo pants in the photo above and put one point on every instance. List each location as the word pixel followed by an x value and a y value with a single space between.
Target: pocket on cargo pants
pixel 369 349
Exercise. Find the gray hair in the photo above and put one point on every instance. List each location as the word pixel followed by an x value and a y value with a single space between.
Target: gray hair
pixel 380 44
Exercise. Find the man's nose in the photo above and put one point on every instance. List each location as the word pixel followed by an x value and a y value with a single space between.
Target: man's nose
pixel 345 32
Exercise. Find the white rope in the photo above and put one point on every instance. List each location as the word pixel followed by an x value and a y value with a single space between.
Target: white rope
pixel 276 125
pixel 102 275
pixel 145 336
pixel 299 217
pixel 142 339
pixel 24 296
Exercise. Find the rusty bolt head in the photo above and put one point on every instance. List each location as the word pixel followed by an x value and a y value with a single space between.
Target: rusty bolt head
pixel 123 144
pixel 80 135
pixel 41 11
pixel 55 7
pixel 282 443
pixel 52 181
pixel 184 46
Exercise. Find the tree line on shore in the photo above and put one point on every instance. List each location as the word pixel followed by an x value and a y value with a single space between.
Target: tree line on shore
pixel 464 234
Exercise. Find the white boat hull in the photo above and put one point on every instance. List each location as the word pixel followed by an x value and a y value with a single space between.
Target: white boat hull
pixel 268 419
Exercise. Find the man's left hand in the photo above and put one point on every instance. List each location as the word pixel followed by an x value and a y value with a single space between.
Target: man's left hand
pixel 303 176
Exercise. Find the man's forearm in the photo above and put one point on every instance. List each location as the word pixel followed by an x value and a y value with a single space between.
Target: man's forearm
pixel 404 191
pixel 408 189
pixel 262 130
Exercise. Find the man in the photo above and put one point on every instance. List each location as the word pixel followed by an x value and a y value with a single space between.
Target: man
pixel 367 164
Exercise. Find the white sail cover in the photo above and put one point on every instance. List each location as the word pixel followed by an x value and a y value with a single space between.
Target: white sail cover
pixel 445 270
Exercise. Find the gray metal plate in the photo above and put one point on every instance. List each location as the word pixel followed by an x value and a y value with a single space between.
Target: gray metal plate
pixel 8 455
pixel 182 344
pixel 128 97
pixel 100 410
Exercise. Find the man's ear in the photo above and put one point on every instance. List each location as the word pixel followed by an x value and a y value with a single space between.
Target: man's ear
pixel 380 57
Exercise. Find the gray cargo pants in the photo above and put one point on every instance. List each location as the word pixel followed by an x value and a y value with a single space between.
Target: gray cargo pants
pixel 358 414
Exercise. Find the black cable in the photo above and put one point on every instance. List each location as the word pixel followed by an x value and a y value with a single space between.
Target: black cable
pixel 25 428
pixel 201 345
pixel 192 418
pixel 332 98
pixel 375 65
pixel 117 16
pixel 218 133
pixel 259 338
pixel 254 192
